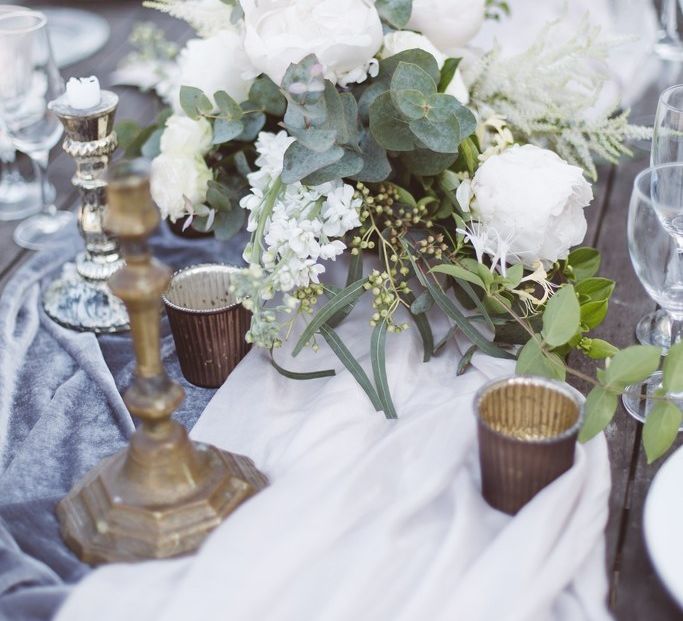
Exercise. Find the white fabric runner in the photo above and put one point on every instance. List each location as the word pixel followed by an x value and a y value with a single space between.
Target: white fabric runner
pixel 368 519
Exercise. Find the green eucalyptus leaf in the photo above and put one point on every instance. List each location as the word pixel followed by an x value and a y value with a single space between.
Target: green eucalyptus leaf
pixel 347 359
pixel 673 369
pixel 378 359
pixel 600 406
pixel 661 429
pixel 355 273
pixel 227 106
pixel 376 165
pixel 299 162
pixel 447 72
pixel 427 163
pixel 228 223
pixel 388 127
pixel 267 95
pixel 395 12
pixel 422 59
pixel 534 361
pixel 631 365
pixel 338 302
pixel 585 262
pixel 442 137
pixel 253 121
pixel 225 130
pixel 126 131
pixel 562 317
pixel 411 103
pixel 152 146
pixel 194 102
pixel 349 165
pixel 409 76
pixel 304 82
pixel 319 140
pixel 351 131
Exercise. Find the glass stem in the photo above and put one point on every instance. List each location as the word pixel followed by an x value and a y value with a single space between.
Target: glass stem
pixel 676 328
pixel 41 159
pixel 668 18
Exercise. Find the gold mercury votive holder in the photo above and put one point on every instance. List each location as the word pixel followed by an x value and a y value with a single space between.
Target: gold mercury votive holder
pixel 527 429
pixel 208 323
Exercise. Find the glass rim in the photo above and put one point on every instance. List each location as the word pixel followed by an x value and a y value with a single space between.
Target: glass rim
pixel 666 92
pixel 563 388
pixel 647 196
pixel 40 23
pixel 222 267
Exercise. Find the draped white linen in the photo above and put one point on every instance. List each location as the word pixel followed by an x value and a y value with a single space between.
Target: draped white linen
pixel 370 519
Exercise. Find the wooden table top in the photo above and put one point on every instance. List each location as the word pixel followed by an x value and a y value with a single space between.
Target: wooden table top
pixel 635 590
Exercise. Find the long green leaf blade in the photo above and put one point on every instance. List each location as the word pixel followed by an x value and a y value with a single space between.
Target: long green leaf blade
pixel 355 274
pixel 351 364
pixel 378 358
pixel 423 327
pixel 295 375
pixel 338 302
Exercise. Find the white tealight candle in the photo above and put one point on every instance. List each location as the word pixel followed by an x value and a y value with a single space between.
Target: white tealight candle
pixel 83 93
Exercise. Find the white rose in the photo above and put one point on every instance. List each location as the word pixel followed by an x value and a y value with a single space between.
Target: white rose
pixel 402 40
pixel 185 137
pixel 218 63
pixel 532 201
pixel 175 181
pixel 449 24
pixel 344 35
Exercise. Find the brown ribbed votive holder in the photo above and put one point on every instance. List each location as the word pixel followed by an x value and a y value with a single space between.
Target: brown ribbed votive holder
pixel 208 324
pixel 527 429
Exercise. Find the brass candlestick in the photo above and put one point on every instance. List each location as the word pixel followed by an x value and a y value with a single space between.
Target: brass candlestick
pixel 80 299
pixel 163 494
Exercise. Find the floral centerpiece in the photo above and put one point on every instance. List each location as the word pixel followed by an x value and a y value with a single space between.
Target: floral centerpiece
pixel 344 128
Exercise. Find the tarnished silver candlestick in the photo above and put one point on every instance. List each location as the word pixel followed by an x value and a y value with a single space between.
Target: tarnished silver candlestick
pixel 81 299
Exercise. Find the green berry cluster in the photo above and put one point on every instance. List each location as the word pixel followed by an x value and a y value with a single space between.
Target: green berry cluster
pixel 433 245
pixel 385 300
pixel 308 297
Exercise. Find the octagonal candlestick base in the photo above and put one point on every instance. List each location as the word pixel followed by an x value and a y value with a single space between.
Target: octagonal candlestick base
pixel 163 494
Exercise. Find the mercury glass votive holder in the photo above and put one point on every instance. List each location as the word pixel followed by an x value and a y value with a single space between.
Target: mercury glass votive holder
pixel 527 429
pixel 207 322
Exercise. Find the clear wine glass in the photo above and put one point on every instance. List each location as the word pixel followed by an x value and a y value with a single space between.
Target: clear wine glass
pixel 29 80
pixel 655 243
pixel 667 147
pixel 669 45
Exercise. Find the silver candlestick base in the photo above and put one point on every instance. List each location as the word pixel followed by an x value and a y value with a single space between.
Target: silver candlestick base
pixel 81 299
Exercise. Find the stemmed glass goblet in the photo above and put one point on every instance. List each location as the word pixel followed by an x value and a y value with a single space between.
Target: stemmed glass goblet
pixel 655 243
pixel 667 147
pixel 28 82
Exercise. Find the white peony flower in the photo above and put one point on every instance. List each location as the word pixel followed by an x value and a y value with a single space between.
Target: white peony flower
pixel 344 35
pixel 530 204
pixel 402 40
pixel 218 63
pixel 177 180
pixel 185 137
pixel 449 24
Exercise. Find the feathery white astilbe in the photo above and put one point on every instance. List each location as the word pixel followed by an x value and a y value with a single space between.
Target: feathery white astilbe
pixel 546 93
pixel 206 16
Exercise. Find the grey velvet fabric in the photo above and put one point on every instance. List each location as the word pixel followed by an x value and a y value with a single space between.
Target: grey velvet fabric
pixel 60 413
